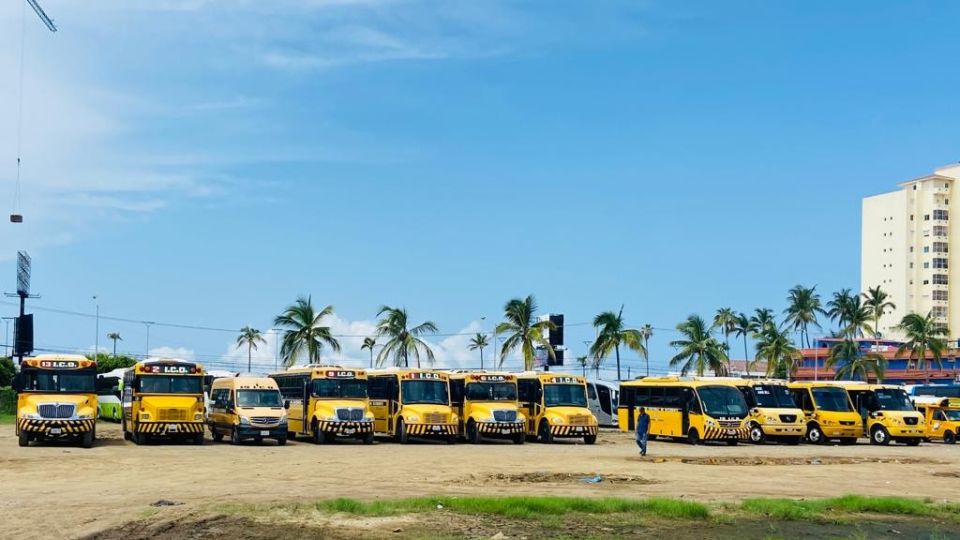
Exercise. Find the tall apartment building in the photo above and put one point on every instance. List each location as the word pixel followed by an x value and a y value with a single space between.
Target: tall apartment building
pixel 911 248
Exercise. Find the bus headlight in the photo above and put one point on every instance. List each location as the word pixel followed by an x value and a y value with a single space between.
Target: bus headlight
pixel 771 419
pixel 31 416
pixel 710 423
pixel 84 416
pixel 412 418
pixel 283 418
pixel 198 417
pixel 244 420
pixel 558 420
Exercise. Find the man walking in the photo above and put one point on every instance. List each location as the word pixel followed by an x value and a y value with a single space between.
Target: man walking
pixel 643 426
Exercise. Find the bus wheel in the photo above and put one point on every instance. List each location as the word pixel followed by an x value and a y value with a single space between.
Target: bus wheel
pixel 24 439
pixel 198 439
pixel 319 437
pixel 402 436
pixel 815 434
pixel 756 434
pixel 914 441
pixel 732 442
pixel 519 438
pixel 589 439
pixel 693 437
pixel 87 438
pixel 126 434
pixel 368 438
pixel 880 436
pixel 138 438
pixel 282 441
pixel 234 436
pixel 546 436
pixel 217 436
pixel 473 434
pixel 948 437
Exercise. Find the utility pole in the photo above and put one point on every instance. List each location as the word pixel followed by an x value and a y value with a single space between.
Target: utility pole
pixel 148 325
pixel 6 339
pixel 96 340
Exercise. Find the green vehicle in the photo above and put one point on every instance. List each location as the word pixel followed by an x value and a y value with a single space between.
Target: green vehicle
pixel 109 390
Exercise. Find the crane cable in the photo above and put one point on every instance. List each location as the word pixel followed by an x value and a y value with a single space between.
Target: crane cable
pixel 23 40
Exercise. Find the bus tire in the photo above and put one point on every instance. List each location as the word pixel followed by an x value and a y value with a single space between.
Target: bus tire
pixel 23 439
pixel 693 436
pixel 589 439
pixel 198 439
pixel 756 433
pixel 368 438
pixel 880 436
pixel 282 441
pixel 544 433
pixel 815 434
pixel 732 442
pixel 217 436
pixel 86 440
pixel 402 436
pixel 913 441
pixel 319 437
pixel 949 437
pixel 794 441
pixel 452 439
pixel 519 438
pixel 234 436
pixel 126 434
pixel 473 434
pixel 138 438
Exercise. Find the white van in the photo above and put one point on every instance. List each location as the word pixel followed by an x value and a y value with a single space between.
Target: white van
pixel 603 399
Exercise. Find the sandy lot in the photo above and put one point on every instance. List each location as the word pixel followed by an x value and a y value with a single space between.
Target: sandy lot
pixel 64 492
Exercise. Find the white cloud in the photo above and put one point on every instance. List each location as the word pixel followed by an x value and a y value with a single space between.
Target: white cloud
pixel 179 353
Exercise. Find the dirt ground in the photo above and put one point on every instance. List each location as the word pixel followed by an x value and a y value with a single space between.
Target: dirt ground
pixel 58 491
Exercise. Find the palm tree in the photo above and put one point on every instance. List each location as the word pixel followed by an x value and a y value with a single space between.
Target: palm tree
pixel 761 319
pixel 402 341
pixel 115 336
pixel 525 333
pixel 726 320
pixel 647 332
pixel 582 360
pixel 479 341
pixel 803 305
pixel 777 350
pixel 252 338
pixel 741 328
pixel 856 365
pixel 877 301
pixel 369 343
pixel 838 308
pixel 699 350
pixel 611 333
pixel 304 332
pixel 923 334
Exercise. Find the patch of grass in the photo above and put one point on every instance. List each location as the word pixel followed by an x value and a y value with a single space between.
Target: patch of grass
pixel 8 418
pixel 832 509
pixel 522 507
pixel 781 509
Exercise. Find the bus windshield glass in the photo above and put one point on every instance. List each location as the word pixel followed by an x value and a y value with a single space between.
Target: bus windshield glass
pixel 424 392
pixel 937 391
pixel 340 388
pixel 722 401
pixel 481 391
pixel 952 414
pixel 169 384
pixel 59 381
pixel 893 399
pixel 564 395
pixel 773 396
pixel 831 399
pixel 258 398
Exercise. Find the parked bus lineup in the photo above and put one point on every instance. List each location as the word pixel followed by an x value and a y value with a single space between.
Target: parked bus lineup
pixel 60 397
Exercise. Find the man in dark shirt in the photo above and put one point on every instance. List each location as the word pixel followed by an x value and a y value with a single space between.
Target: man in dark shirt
pixel 643 427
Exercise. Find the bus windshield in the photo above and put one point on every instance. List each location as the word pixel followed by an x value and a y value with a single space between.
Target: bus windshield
pixel 169 384
pixel 893 399
pixel 340 388
pixel 773 396
pixel 59 381
pixel 424 392
pixel 831 399
pixel 258 398
pixel 564 395
pixel 953 414
pixel 937 391
pixel 722 401
pixel 480 391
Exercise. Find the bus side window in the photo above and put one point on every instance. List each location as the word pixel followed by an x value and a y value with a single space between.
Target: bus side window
pixel 456 391
pixel 392 389
pixel 525 390
pixel 940 416
pixel 591 391
pixel 673 397
pixel 641 397
pixel 692 402
pixel 656 396
pixel 377 387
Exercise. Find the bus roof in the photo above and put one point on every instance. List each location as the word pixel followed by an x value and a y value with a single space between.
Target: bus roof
pixel 323 371
pixel 681 381
pixel 42 361
pixel 483 375
pixel 158 365
pixel 861 385
pixel 934 401
pixel 245 383
pixel 546 376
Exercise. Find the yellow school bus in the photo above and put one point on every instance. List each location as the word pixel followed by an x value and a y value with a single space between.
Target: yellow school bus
pixel 325 402
pixel 486 404
pixel 828 410
pixel 163 398
pixel 555 405
pixel 57 398
pixel 409 402
pixel 772 414
pixel 886 412
pixel 685 408
pixel 941 417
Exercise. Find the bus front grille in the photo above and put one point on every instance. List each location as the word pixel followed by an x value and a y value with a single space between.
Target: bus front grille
pixel 265 419
pixel 847 423
pixel 434 418
pixel 171 415
pixel 579 420
pixel 505 416
pixel 56 410
pixel 910 421
pixel 788 418
pixel 730 424
pixel 349 415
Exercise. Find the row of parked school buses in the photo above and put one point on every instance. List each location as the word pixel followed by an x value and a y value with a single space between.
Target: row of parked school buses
pixel 157 399
pixel 699 409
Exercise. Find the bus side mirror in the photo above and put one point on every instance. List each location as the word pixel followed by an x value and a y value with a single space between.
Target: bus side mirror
pixel 286 404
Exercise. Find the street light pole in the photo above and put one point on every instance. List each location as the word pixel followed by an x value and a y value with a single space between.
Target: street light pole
pixel 96 340
pixel 6 339
pixel 148 324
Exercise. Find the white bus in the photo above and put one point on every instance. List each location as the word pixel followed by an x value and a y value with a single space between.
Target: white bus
pixel 603 398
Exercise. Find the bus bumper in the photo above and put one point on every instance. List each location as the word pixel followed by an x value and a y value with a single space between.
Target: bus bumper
pixel 252 432
pixel 431 430
pixel 500 429
pixel 841 432
pixel 169 428
pixel 573 431
pixel 54 428
pixel 784 430
pixel 725 433
pixel 345 428
pixel 905 432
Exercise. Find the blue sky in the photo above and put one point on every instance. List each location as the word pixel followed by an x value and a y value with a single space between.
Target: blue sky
pixel 204 162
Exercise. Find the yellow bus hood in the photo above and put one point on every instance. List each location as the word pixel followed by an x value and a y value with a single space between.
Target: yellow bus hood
pixel 567 414
pixel 84 403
